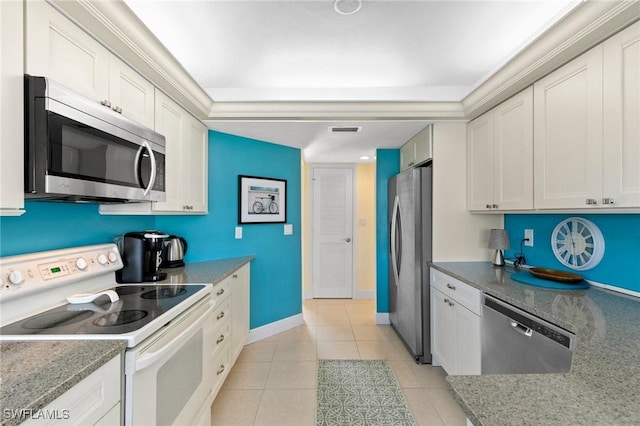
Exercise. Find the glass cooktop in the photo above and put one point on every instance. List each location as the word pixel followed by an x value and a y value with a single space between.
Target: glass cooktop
pixel 138 306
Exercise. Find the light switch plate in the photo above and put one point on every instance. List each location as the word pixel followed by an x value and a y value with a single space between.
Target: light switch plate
pixel 238 232
pixel 288 229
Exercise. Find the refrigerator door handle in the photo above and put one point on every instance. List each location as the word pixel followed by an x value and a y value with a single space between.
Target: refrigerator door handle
pixel 396 239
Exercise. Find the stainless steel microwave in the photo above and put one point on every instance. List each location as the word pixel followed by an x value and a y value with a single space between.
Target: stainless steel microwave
pixel 79 150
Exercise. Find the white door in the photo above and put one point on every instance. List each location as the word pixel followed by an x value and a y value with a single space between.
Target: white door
pixel 332 230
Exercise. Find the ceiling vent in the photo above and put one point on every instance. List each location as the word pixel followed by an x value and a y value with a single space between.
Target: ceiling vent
pixel 345 129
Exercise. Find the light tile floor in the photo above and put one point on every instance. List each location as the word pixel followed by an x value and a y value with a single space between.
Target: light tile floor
pixel 274 380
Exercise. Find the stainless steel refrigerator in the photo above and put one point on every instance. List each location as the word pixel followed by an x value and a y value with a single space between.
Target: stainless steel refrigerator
pixel 409 253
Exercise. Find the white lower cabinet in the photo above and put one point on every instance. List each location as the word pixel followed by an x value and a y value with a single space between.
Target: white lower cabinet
pixel 231 323
pixel 93 401
pixel 455 324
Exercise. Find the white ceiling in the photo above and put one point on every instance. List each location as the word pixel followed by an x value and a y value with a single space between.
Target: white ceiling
pixel 303 50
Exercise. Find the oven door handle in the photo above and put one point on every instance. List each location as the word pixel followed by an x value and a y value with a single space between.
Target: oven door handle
pixel 150 358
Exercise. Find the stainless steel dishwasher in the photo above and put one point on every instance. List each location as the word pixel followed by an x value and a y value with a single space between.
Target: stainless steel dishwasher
pixel 514 341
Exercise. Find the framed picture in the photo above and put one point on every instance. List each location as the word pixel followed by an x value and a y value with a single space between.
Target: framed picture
pixel 262 200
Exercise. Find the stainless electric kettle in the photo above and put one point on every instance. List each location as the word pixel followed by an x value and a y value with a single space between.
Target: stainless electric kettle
pixel 175 248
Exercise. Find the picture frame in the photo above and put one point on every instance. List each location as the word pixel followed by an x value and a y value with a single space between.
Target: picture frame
pixel 261 200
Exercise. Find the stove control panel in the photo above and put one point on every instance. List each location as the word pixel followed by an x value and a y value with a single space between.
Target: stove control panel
pixel 59 266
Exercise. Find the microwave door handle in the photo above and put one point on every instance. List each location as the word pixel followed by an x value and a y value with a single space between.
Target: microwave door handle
pixel 136 166
pixel 152 158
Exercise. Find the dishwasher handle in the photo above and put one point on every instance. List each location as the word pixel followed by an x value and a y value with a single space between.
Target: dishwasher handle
pixel 525 331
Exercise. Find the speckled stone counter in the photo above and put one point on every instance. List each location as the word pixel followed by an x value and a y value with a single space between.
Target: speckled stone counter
pixel 603 387
pixel 33 374
pixel 207 272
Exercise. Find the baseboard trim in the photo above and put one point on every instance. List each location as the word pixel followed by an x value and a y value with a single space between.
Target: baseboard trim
pixel 274 328
pixel 364 294
pixel 382 318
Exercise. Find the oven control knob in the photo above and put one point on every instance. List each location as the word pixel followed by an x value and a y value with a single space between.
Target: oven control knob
pixel 15 277
pixel 112 257
pixel 81 263
pixel 102 259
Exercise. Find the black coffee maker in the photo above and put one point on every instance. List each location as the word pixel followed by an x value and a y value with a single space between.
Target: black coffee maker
pixel 141 253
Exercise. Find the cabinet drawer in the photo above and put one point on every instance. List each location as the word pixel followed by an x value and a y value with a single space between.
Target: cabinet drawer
pixel 221 337
pixel 222 314
pixel 221 366
pixel 463 293
pixel 89 400
pixel 222 290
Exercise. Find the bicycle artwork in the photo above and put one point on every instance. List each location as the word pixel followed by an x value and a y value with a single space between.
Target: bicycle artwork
pixel 261 200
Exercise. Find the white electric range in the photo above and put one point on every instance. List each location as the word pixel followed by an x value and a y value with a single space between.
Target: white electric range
pixel 168 328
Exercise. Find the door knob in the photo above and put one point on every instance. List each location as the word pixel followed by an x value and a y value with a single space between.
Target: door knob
pixel 347 239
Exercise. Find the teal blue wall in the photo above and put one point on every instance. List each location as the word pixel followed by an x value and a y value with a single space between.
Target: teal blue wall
pixel 51 225
pixel 387 165
pixel 620 265
pixel 276 271
pixel 276 275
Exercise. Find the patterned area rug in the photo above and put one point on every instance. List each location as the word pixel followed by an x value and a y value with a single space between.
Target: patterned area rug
pixel 359 393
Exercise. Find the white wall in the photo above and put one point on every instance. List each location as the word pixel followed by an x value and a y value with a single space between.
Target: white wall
pixel 457 234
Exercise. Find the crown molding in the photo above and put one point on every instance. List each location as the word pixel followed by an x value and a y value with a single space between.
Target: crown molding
pixel 114 25
pixel 336 110
pixel 587 25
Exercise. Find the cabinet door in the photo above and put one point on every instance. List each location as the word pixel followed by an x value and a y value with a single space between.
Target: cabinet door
pixel 169 122
pixel 130 92
pixel 513 152
pixel 568 134
pixel 423 145
pixel 407 156
pixel 468 341
pixel 621 151
pixel 240 310
pixel 11 109
pixel 443 331
pixel 194 166
pixel 58 49
pixel 480 163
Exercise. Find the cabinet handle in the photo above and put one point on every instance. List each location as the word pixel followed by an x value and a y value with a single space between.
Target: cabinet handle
pixel 220 315
pixel 106 103
pixel 488 206
pixel 220 339
pixel 608 201
pixel 220 292
pixel 117 109
pixel 411 164
pixel 235 275
pixel 452 287
pixel 591 202
pixel 495 206
pixel 220 370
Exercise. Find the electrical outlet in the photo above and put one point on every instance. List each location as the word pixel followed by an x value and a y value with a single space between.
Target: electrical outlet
pixel 238 232
pixel 528 234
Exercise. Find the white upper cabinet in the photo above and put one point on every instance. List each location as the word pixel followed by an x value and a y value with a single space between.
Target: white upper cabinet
pixel 418 149
pixel 11 108
pixel 568 134
pixel 500 156
pixel 130 93
pixel 621 153
pixel 59 49
pixel 587 132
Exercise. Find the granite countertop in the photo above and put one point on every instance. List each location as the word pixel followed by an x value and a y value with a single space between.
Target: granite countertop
pixel 206 272
pixel 603 386
pixel 33 374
